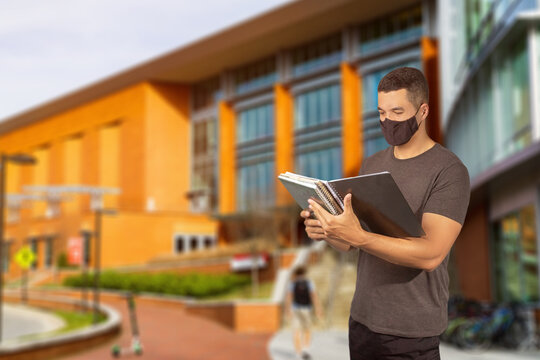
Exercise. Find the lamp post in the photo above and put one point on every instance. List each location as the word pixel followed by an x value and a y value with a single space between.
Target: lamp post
pixel 22 159
pixel 98 212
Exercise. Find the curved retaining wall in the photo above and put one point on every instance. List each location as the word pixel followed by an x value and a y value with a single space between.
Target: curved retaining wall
pixel 61 344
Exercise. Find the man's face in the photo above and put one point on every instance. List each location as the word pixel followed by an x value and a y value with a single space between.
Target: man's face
pixel 395 105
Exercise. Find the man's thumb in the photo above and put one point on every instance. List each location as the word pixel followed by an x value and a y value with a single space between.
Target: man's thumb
pixel 348 202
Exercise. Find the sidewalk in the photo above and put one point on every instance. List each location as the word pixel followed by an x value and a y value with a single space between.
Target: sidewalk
pixel 168 333
pixel 21 320
pixel 333 345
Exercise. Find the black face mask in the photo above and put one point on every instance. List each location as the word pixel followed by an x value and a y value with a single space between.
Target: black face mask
pixel 399 132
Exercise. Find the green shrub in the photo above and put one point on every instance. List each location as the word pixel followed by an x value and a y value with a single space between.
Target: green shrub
pixel 193 284
pixel 61 260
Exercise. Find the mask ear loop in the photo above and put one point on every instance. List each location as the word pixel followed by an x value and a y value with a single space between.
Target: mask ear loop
pixel 417 113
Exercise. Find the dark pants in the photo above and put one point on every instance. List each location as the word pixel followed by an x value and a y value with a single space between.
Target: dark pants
pixel 365 344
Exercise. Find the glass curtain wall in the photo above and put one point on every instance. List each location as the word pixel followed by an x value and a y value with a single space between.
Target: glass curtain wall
pixel 516 256
pixel 492 120
pixel 205 97
pixel 317 108
pixel 321 54
pixel 482 17
pixel 389 31
pixel 255 157
pixel 255 76
pixel 317 126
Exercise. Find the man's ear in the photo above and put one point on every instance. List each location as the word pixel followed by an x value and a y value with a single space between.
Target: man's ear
pixel 424 110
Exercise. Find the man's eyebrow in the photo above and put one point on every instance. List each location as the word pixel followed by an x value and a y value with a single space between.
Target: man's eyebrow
pixel 397 108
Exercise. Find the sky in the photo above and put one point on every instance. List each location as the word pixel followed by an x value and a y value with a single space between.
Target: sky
pixel 50 48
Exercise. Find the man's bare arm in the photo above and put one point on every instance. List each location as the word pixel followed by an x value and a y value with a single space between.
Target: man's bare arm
pixel 423 252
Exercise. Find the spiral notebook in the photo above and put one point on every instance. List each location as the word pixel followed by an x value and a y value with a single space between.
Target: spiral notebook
pixel 376 200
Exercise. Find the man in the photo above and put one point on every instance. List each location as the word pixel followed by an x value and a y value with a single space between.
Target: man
pixel 400 304
pixel 300 302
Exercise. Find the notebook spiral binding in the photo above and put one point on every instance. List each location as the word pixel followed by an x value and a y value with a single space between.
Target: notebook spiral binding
pixel 327 197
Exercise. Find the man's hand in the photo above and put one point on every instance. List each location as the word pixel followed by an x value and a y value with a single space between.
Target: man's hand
pixel 313 226
pixel 343 227
pixel 315 230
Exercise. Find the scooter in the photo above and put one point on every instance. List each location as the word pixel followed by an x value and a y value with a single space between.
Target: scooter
pixel 135 346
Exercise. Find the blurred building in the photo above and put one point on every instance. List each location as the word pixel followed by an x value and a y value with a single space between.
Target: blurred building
pixel 490 53
pixel 195 139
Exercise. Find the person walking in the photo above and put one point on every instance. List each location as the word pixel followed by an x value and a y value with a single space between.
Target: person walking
pixel 301 301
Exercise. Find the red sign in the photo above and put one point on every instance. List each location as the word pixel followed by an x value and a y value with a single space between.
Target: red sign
pixel 75 250
pixel 242 262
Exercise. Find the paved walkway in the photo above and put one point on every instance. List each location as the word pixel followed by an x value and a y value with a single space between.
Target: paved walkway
pixel 20 320
pixel 168 333
pixel 333 345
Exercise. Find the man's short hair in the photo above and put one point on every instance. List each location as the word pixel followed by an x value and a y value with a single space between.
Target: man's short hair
pixel 410 79
pixel 299 271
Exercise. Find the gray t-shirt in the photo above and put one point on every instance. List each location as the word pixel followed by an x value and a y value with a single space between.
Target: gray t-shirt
pixel 402 301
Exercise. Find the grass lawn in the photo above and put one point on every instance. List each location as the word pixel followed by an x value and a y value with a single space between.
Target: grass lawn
pixel 74 320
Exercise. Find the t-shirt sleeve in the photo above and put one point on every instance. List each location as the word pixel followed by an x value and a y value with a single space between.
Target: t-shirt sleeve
pixel 450 194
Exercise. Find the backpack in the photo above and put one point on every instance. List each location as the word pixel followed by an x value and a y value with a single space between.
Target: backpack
pixel 301 295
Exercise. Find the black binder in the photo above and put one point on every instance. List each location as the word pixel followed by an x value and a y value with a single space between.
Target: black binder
pixel 376 199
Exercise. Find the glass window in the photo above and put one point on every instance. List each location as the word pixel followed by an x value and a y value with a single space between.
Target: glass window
pixel 516 256
pixel 255 76
pixel 390 30
pixel 255 172
pixel 317 55
pixel 322 164
pixel 255 190
pixel 316 107
pixel 485 105
pixel 34 248
pixel 255 123
pixel 485 130
pixel 203 153
pixel 317 153
pixel 179 244
pixel 49 252
pixel 538 67
pixel 520 95
pixel 194 243
pixel 208 242
pixel 206 93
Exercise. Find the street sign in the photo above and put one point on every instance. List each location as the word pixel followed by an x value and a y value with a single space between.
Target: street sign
pixel 25 257
pixel 246 261
pixel 75 250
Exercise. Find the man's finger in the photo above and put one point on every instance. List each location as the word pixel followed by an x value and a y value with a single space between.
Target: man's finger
pixel 312 222
pixel 348 203
pixel 317 230
pixel 305 214
pixel 320 213
pixel 317 237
